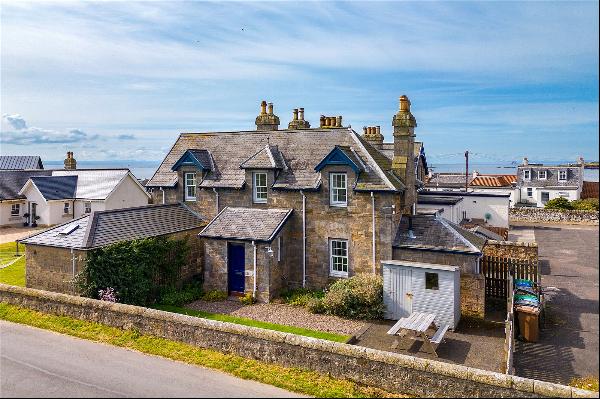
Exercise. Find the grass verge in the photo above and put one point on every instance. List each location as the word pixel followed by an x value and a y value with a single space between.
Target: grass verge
pixel 590 383
pixel 254 323
pixel 292 379
pixel 15 273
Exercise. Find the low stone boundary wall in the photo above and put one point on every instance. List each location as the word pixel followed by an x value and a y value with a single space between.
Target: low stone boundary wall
pixel 390 371
pixel 542 215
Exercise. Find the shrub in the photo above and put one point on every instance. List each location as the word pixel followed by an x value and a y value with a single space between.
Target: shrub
pixel 588 204
pixel 137 270
pixel 315 305
pixel 559 203
pixel 214 296
pixel 300 296
pixel 178 297
pixel 247 299
pixel 359 297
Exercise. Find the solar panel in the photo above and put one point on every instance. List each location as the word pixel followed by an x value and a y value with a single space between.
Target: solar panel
pixel 69 229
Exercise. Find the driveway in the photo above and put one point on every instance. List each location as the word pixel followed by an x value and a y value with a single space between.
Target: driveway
pixel 569 341
pixel 10 234
pixel 39 363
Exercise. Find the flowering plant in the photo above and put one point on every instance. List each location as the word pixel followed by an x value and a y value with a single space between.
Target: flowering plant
pixel 108 295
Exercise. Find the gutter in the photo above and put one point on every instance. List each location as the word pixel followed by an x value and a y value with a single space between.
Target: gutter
pixel 216 199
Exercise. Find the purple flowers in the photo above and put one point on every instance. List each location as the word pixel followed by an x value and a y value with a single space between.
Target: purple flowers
pixel 108 295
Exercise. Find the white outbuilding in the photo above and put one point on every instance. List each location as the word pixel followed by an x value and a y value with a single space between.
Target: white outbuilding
pixel 422 287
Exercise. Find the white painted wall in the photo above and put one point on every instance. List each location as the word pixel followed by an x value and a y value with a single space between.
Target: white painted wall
pixel 6 219
pixel 536 198
pixel 127 194
pixel 514 193
pixel 476 207
pixel 453 213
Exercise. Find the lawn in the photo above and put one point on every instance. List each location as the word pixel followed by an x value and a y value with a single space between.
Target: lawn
pixel 15 273
pixel 293 379
pixel 255 323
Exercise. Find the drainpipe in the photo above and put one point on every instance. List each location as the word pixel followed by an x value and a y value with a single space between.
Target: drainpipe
pixel 163 194
pixel 303 239
pixel 254 273
pixel 373 209
pixel 216 199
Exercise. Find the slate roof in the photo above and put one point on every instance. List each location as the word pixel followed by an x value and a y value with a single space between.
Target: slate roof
pixel 199 158
pixel 248 224
pixel 103 228
pixel 450 180
pixel 494 181
pixel 12 181
pixel 574 176
pixel 438 200
pixel 433 233
pixel 267 158
pixel 56 187
pixel 301 150
pixel 450 193
pixel 20 162
pixel 590 189
pixel 94 183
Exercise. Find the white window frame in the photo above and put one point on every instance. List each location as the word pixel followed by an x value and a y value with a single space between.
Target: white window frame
pixel 542 196
pixel 529 192
pixel 540 172
pixel 87 207
pixel 257 196
pixel 189 186
pixel 15 209
pixel 66 208
pixel 527 174
pixel 345 258
pixel 334 191
pixel 560 173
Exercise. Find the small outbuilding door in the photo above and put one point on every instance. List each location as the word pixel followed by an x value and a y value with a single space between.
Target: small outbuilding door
pixel 397 292
pixel 236 268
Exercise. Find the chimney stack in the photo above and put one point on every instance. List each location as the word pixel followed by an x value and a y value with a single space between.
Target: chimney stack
pixel 70 162
pixel 298 121
pixel 330 121
pixel 373 136
pixel 525 161
pixel 580 161
pixel 403 166
pixel 267 120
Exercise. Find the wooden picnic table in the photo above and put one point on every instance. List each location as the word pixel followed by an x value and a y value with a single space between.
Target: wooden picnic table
pixel 417 325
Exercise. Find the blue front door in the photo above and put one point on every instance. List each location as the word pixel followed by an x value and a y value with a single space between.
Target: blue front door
pixel 236 267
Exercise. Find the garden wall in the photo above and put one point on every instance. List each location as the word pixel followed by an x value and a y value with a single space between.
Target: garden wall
pixel 509 249
pixel 542 215
pixel 393 372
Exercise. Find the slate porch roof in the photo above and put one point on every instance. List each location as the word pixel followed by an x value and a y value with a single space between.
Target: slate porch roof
pixel 301 151
pixel 108 227
pixel 12 181
pixel 20 162
pixel 247 224
pixel 433 233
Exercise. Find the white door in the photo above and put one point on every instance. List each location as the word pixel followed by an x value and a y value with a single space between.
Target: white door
pixel 397 291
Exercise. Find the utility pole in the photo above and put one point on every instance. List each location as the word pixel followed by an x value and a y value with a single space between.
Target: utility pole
pixel 467 171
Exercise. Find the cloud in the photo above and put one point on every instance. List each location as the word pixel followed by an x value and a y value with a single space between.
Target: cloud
pixel 126 137
pixel 15 131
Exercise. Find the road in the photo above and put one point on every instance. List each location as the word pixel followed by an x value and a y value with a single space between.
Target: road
pixel 568 345
pixel 39 363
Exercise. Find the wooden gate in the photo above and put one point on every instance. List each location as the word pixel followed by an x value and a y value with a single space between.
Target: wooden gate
pixel 497 271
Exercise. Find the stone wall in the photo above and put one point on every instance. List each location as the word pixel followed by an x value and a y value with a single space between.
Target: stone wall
pixel 394 372
pixel 472 284
pixel 509 249
pixel 53 269
pixel 542 215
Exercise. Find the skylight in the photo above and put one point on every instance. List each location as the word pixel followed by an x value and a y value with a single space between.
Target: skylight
pixel 69 229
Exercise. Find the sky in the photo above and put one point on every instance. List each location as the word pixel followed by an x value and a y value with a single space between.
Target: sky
pixel 120 80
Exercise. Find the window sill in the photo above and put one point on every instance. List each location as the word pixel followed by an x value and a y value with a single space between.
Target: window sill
pixel 190 200
pixel 338 275
pixel 339 205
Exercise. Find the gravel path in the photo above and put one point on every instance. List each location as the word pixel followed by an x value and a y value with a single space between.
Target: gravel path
pixel 281 314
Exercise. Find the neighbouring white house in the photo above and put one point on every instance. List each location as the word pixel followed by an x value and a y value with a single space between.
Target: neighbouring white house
pixel 537 183
pixel 69 194
pixel 495 184
pixel 491 208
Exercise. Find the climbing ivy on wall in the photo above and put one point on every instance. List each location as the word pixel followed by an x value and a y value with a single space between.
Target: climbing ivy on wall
pixel 137 270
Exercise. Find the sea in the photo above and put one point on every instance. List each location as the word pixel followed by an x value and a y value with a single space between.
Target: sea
pixel 145 169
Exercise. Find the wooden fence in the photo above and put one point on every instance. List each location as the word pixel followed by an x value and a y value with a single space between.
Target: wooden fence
pixel 497 272
pixel 509 330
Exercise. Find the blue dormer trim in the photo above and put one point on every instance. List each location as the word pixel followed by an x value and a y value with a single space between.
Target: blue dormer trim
pixel 189 159
pixel 338 156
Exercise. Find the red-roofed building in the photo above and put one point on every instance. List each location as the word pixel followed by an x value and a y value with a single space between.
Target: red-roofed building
pixel 492 183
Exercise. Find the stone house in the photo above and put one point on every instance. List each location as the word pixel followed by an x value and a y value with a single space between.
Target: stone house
pixel 55 256
pixel 298 207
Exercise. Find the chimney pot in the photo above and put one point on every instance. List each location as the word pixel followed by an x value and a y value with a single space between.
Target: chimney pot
pixel 301 111
pixel 365 130
pixel 378 130
pixel 295 114
pixel 263 107
pixel 270 108
pixel 338 121
pixel 404 103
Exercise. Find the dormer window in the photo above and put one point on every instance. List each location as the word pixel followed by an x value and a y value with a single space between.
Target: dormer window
pixel 562 175
pixel 190 186
pixel 542 175
pixel 527 174
pixel 338 189
pixel 259 190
